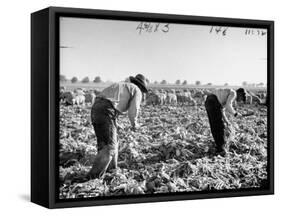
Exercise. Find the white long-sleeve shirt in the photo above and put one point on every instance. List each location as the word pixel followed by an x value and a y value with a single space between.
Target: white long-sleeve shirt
pixel 125 97
pixel 226 97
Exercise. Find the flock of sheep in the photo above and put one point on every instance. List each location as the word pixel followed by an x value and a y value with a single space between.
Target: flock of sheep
pixel 192 96
pixel 79 96
pixel 169 96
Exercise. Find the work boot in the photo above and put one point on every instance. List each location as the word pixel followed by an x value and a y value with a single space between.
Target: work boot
pixel 221 151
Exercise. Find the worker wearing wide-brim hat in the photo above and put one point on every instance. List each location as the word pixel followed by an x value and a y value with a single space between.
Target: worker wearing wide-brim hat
pixel 112 101
pixel 217 102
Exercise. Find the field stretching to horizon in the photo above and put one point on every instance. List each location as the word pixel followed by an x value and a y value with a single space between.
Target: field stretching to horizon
pixel 173 151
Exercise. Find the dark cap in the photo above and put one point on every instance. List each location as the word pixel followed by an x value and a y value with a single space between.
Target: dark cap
pixel 140 81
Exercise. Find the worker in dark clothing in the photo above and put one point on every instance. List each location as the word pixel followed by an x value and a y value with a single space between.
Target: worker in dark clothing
pixel 216 104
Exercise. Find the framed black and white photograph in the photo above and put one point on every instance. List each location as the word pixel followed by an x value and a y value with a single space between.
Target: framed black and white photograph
pixel 137 107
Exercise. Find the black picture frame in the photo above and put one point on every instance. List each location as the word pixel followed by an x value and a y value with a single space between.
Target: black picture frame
pixel 45 104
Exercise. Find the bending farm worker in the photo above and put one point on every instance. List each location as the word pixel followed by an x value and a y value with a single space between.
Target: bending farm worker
pixel 216 104
pixel 111 102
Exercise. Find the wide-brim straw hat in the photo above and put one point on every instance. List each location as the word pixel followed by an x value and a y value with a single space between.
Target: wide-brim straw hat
pixel 140 81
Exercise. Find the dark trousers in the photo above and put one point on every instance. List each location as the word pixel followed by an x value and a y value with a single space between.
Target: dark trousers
pixel 103 116
pixel 214 111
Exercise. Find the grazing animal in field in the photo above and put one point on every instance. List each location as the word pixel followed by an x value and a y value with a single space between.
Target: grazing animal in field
pixel 171 98
pixel 185 97
pixel 90 97
pixel 79 100
pixel 163 97
pixel 155 98
pixel 180 98
pixel 173 91
pixel 189 99
pixel 67 97
pixel 79 91
pixel 198 94
pixel 62 90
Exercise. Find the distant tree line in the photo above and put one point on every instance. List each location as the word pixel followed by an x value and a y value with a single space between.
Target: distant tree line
pixel 86 79
pixel 198 83
pixel 246 84
pixel 63 78
pixel 98 79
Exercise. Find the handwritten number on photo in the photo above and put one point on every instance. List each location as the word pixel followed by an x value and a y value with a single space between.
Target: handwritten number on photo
pixel 152 27
pixel 218 30
pixel 165 28
pixel 255 32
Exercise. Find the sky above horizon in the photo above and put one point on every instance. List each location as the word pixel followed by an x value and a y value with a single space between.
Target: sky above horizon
pixel 115 50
